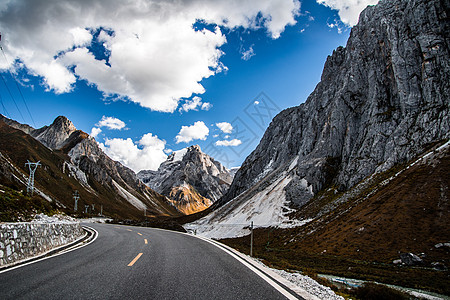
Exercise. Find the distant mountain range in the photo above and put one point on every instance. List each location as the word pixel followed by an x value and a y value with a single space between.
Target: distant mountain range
pixel 72 160
pixel 191 179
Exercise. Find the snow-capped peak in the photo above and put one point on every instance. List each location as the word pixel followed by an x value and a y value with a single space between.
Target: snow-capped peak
pixel 177 155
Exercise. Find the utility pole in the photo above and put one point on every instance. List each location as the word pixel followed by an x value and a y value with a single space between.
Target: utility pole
pixel 251 239
pixel 145 215
pixel 30 183
pixel 76 197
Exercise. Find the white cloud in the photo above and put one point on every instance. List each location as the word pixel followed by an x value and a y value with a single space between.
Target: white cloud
pixel 198 131
pixel 156 57
pixel 81 37
pixel 146 154
pixel 111 123
pixel 232 143
pixel 194 104
pixel 348 10
pixel 206 106
pixel 95 131
pixel 337 24
pixel 225 127
pixel 247 54
pixel 256 102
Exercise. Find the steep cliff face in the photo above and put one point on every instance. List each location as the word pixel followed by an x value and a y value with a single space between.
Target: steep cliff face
pixel 192 179
pixel 75 155
pixel 381 101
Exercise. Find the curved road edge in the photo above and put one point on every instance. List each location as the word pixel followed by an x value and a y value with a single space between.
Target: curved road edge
pixel 90 236
pixel 285 287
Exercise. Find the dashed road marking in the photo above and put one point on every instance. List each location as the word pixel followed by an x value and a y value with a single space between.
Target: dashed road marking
pixel 145 241
pixel 134 260
pixel 139 233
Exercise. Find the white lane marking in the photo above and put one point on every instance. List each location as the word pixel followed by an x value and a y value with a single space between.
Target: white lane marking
pixel 57 254
pixel 245 263
pixel 297 289
pixel 255 270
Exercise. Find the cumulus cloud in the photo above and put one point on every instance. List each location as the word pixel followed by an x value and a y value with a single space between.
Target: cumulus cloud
pixel 95 132
pixel 232 143
pixel 145 154
pixel 348 10
pixel 198 131
pixel 225 127
pixel 206 106
pixel 194 104
pixel 111 123
pixel 155 56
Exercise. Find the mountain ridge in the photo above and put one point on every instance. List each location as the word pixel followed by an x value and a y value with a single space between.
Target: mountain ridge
pixel 79 156
pixel 190 178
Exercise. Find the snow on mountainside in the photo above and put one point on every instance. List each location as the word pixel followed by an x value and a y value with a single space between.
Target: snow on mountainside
pixel 190 178
pixel 382 100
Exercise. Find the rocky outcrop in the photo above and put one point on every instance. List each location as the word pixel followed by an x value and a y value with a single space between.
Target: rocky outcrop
pixel 57 134
pixel 381 101
pixel 190 178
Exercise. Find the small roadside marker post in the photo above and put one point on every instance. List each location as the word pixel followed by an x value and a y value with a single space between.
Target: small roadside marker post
pixel 251 239
pixel 76 197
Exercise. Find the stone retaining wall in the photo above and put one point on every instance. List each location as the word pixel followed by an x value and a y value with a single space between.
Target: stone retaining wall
pixel 19 241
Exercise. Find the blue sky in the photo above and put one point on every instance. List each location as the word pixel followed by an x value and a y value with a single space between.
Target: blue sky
pixel 159 79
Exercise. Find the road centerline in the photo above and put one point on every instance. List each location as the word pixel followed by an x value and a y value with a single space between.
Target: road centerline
pixel 135 260
pixel 139 233
pixel 145 241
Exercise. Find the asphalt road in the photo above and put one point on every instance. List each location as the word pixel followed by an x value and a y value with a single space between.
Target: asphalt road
pixel 171 266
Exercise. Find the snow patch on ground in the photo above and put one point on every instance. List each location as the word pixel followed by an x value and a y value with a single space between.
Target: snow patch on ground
pixel 96 220
pixel 129 197
pixel 267 208
pixel 75 172
pixel 44 219
pixel 308 284
pixel 293 164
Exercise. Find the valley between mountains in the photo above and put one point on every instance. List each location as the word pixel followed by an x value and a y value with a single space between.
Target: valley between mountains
pixel 352 183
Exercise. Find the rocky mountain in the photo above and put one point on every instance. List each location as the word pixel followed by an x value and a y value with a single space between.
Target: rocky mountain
pixel 72 160
pixel 382 101
pixel 190 178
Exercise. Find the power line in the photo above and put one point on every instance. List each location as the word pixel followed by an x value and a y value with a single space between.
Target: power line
pixel 18 87
pixel 4 108
pixel 9 91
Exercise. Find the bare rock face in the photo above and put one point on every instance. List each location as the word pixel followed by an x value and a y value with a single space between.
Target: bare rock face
pixel 381 101
pixel 192 179
pixel 55 135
